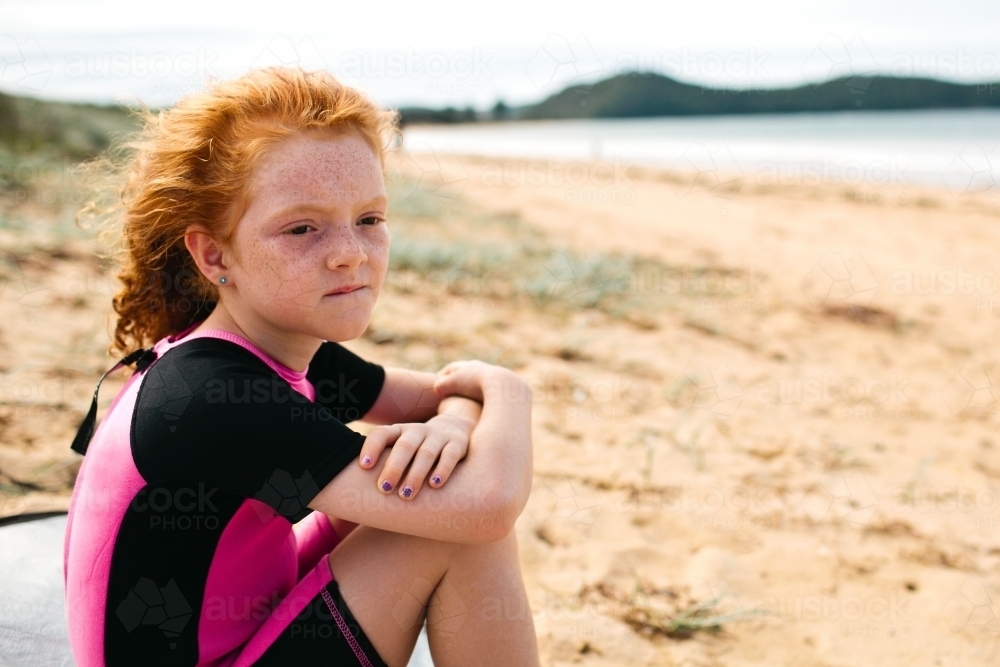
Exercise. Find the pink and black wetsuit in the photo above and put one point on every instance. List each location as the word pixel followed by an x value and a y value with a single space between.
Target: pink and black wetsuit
pixel 179 544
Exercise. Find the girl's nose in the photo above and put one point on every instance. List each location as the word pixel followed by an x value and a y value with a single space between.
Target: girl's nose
pixel 347 252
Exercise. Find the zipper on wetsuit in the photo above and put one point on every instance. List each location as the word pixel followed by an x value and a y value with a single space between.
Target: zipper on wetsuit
pixel 142 358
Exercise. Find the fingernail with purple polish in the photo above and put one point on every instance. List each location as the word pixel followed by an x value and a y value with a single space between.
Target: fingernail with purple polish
pixel 387 485
pixel 407 491
pixel 367 460
pixel 436 479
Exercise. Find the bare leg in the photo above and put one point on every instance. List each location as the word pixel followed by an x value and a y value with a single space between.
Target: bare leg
pixel 473 596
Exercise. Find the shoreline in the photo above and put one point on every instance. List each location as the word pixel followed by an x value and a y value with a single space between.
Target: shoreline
pixel 596 174
pixel 954 151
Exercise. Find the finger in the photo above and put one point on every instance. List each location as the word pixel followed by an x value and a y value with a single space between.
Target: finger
pixel 452 453
pixel 458 384
pixel 451 369
pixel 379 438
pixel 447 382
pixel 453 366
pixel 399 457
pixel 421 464
pixel 442 375
pixel 439 387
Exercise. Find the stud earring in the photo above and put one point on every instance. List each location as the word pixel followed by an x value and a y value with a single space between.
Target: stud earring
pixel 222 280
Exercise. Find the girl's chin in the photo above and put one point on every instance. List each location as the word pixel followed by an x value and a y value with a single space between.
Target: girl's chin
pixel 333 324
pixel 347 327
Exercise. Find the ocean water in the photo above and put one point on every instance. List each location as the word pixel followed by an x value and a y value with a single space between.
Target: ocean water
pixel 956 149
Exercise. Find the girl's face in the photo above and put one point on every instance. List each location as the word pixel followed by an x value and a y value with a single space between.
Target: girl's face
pixel 310 253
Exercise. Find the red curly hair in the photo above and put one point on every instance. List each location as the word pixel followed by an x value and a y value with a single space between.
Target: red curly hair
pixel 192 164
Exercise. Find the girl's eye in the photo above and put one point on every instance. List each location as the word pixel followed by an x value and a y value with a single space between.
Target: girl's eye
pixel 371 220
pixel 299 230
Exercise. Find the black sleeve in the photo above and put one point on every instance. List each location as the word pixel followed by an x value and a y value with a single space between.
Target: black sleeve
pixel 212 412
pixel 346 384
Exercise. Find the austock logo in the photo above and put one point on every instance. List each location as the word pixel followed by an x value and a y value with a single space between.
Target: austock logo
pixel 561 62
pixel 835 58
pixel 286 51
pixel 973 390
pixel 973 169
pixel 183 508
pixel 285 495
pixel 573 281
pixel 161 606
pixel 445 609
pixel 974 612
pixel 18 282
pixel 23 63
pixel 703 387
pixel 419 169
pixel 839 280
pixel 845 498
pixel 715 170
pixel 410 394
pixel 167 391
pixel 563 507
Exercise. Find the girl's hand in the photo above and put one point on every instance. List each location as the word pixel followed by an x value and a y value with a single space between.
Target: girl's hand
pixel 444 438
pixel 468 378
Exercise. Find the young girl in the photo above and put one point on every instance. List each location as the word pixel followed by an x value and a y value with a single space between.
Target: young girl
pixel 254 239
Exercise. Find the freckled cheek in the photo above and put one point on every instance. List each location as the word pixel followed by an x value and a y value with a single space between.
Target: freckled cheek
pixel 378 257
pixel 274 268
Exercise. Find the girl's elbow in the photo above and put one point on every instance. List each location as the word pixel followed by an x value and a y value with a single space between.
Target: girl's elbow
pixel 505 507
pixel 481 529
pixel 490 521
pixel 493 529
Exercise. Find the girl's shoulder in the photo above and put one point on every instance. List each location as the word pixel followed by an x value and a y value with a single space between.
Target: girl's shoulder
pixel 212 413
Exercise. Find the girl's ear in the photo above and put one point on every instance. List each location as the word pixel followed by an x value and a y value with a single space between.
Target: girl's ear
pixel 207 253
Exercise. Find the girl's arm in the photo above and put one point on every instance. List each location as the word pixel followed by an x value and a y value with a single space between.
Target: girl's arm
pixel 466 411
pixel 487 490
pixel 406 397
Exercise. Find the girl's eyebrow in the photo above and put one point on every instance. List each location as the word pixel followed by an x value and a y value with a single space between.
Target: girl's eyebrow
pixel 375 201
pixel 317 207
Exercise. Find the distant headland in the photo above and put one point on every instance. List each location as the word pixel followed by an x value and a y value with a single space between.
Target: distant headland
pixel 646 94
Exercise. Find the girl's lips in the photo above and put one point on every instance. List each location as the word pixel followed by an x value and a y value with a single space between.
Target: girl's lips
pixel 347 289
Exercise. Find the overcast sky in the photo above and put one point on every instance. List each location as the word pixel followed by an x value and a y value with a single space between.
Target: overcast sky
pixel 460 53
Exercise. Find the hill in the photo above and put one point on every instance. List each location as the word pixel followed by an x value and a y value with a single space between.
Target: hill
pixel 58 129
pixel 40 141
pixel 646 94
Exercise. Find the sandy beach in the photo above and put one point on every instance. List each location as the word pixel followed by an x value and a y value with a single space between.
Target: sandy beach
pixel 765 412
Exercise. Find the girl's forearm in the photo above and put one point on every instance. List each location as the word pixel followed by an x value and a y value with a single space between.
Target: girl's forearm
pixel 406 397
pixel 457 406
pixel 502 439
pixel 484 495
pixel 460 406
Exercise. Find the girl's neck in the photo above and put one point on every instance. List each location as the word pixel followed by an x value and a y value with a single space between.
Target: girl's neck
pixel 294 351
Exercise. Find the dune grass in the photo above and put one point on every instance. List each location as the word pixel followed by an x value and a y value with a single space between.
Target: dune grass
pixel 449 246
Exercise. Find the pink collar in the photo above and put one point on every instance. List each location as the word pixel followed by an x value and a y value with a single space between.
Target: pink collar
pixel 297 379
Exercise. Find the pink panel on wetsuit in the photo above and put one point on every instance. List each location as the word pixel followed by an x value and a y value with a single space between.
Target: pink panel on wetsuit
pixel 316 538
pixel 308 588
pixel 254 566
pixel 257 562
pixel 107 483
